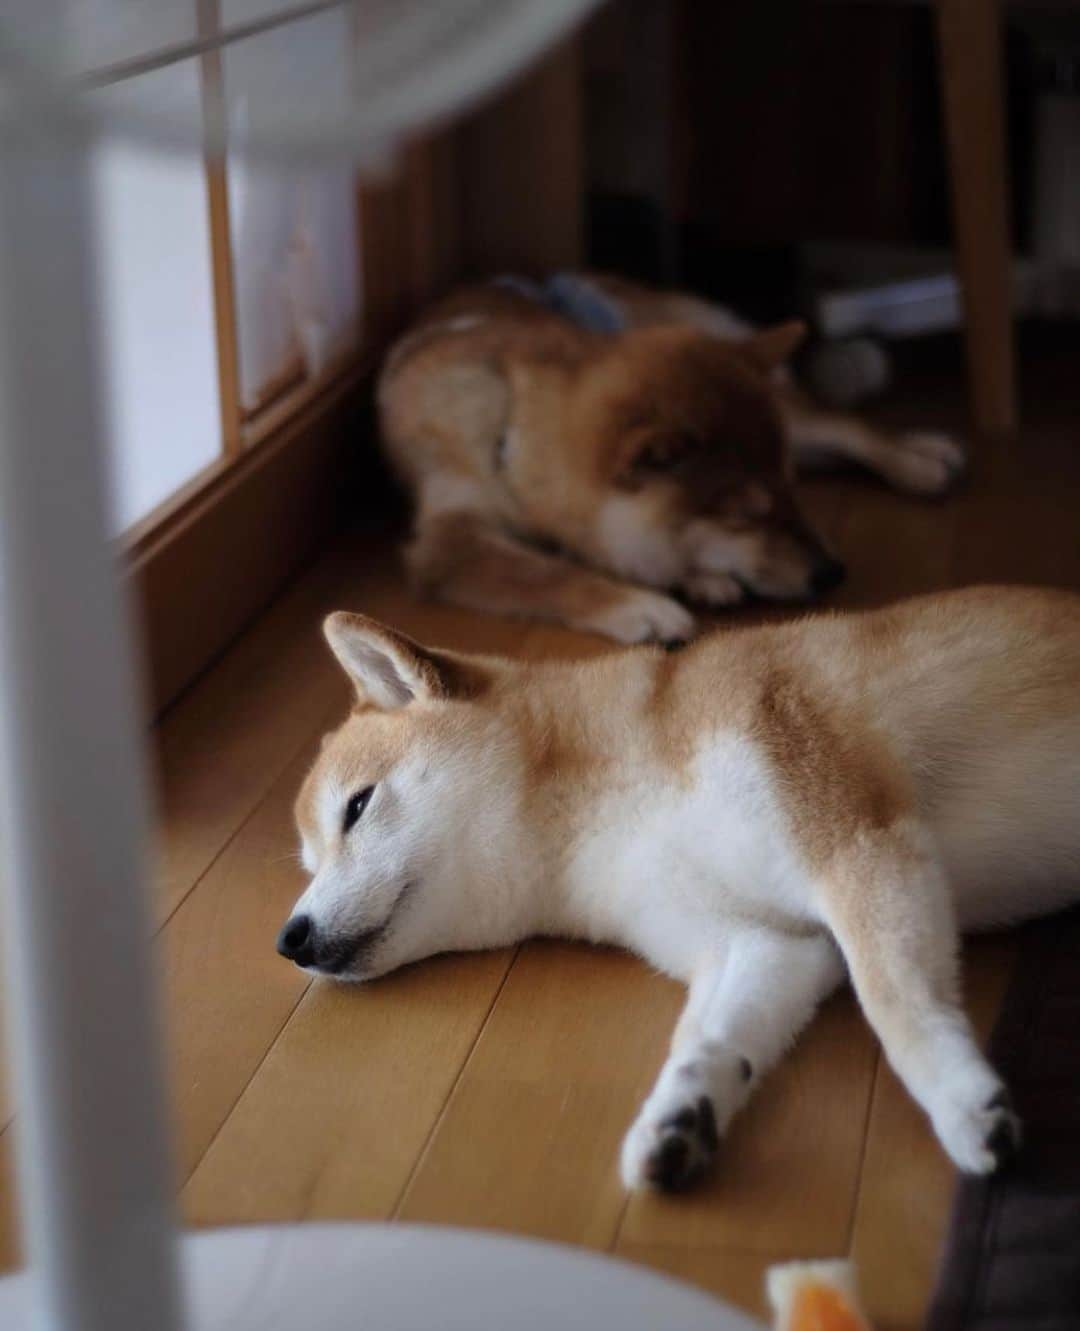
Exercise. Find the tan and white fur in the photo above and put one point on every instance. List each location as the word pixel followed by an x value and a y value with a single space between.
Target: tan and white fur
pixel 759 816
pixel 601 479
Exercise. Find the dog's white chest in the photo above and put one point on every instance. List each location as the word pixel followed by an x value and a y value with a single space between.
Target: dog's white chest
pixel 670 861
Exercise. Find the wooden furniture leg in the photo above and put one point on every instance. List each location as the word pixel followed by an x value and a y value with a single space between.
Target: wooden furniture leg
pixel 969 38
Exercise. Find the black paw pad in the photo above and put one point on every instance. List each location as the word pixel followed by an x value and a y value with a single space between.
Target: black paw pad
pixel 707 1125
pixel 687 1143
pixel 671 1167
pixel 1003 1139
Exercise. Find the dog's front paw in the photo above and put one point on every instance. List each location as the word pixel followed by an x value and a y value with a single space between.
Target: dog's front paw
pixel 676 1136
pixel 980 1138
pixel 645 616
pixel 673 1152
pixel 713 589
pixel 926 463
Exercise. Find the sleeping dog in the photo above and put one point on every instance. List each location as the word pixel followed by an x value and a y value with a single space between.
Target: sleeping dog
pixel 760 815
pixel 590 451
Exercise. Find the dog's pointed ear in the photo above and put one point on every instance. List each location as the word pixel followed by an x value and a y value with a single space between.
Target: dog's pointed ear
pixel 773 346
pixel 390 670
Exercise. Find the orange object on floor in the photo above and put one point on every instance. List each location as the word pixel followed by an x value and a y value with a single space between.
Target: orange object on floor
pixel 815 1296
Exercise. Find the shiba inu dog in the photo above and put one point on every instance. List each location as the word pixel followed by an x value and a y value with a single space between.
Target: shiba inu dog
pixel 583 457
pixel 760 815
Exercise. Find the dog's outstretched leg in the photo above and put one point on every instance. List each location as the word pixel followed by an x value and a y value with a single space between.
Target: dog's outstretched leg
pixel 918 462
pixel 888 905
pixel 745 1007
pixel 458 556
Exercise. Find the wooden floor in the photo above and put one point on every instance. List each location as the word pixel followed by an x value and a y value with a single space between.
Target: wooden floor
pixel 493 1089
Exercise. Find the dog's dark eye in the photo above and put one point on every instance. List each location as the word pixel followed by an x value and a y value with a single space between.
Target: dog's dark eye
pixel 356 807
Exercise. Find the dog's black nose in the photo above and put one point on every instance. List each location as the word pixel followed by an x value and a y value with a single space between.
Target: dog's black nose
pixel 297 940
pixel 829 573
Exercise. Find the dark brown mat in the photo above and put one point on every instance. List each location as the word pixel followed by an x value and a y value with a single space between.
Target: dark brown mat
pixel 1012 1257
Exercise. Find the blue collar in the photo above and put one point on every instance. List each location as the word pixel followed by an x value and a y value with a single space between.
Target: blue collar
pixel 572 296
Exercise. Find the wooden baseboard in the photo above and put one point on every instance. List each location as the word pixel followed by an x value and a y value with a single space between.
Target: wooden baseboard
pixel 204 571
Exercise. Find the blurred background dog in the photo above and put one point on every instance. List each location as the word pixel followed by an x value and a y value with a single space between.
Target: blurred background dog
pixel 581 449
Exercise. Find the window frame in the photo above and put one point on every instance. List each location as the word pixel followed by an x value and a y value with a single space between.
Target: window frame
pixel 199 566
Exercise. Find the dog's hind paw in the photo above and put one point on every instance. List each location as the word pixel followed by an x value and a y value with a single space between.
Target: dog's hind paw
pixel 982 1140
pixel 1004 1131
pixel 926 463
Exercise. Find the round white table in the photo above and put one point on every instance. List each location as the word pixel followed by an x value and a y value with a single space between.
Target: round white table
pixel 378 1277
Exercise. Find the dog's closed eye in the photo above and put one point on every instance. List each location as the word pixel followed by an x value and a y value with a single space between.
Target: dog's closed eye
pixel 355 807
pixel 651 453
pixel 663 451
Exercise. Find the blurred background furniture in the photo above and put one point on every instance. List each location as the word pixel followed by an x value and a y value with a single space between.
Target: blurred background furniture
pixel 867 163
pixel 970 39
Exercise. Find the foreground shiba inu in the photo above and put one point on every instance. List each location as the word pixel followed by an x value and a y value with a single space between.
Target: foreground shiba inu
pixel 590 452
pixel 759 815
